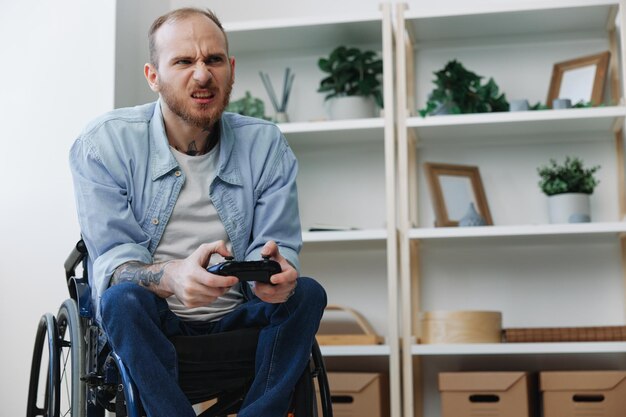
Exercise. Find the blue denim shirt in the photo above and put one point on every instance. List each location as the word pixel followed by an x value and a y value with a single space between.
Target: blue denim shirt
pixel 127 181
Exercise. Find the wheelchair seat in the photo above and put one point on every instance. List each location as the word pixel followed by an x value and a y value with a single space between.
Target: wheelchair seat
pixel 83 380
pixel 219 365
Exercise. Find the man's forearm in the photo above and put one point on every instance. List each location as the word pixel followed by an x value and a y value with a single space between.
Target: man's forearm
pixel 146 275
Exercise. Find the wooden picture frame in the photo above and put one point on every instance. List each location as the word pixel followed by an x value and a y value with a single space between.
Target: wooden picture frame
pixel 580 78
pixel 453 188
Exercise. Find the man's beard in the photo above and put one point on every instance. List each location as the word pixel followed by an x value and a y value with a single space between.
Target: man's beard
pixel 204 120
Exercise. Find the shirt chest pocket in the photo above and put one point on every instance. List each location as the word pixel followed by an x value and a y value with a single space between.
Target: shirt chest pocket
pixel 164 193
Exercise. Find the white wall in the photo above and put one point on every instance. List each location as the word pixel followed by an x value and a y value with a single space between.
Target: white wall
pixel 57 73
pixel 242 10
pixel 134 18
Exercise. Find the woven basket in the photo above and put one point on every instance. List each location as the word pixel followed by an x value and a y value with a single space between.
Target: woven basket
pixel 565 334
pixel 368 337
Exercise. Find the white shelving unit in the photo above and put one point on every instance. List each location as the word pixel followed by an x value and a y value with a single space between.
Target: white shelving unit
pixel 567 231
pixel 346 173
pixel 519 348
pixel 537 274
pixel 333 132
pixel 476 127
pixel 379 235
pixel 351 351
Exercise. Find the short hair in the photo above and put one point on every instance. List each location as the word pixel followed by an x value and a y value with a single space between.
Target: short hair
pixel 173 16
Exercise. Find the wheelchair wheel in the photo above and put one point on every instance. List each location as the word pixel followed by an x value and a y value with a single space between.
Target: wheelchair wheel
pixel 72 391
pixel 44 403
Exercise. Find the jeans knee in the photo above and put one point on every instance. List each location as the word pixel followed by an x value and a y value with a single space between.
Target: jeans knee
pixel 312 293
pixel 124 300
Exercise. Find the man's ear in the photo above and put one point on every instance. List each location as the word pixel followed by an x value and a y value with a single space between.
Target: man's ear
pixel 150 72
pixel 232 68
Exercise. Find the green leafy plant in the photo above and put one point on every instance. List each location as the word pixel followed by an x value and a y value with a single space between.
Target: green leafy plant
pixel 248 106
pixel 578 105
pixel 351 72
pixel 459 90
pixel 570 177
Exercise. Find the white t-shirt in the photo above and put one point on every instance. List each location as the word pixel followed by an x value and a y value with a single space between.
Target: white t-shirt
pixel 195 221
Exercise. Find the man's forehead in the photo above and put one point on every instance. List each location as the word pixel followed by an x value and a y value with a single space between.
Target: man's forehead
pixel 191 31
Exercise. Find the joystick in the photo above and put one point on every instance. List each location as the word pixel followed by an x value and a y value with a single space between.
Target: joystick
pixel 260 271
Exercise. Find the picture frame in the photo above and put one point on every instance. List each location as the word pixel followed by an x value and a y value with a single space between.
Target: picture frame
pixel 452 189
pixel 580 79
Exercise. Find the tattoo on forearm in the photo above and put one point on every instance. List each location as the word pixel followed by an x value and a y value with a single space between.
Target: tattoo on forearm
pixel 140 273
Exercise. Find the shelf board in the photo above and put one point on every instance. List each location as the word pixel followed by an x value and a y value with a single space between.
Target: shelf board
pixel 519 348
pixel 345 236
pixel 303 34
pixel 510 125
pixel 334 131
pixel 498 19
pixel 332 125
pixel 355 350
pixel 609 229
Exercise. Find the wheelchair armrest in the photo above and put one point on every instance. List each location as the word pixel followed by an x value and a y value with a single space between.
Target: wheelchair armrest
pixel 80 291
pixel 76 256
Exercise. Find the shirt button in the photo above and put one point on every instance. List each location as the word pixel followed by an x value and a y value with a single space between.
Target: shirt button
pixel 155 221
pixel 177 173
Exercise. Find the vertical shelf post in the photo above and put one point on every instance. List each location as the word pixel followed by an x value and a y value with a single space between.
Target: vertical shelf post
pixel 403 44
pixel 616 46
pixel 393 337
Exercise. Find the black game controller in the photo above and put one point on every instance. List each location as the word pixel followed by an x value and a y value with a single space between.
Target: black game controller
pixel 247 270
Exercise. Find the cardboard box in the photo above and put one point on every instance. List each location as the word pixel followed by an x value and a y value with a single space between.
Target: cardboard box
pixel 358 394
pixel 493 394
pixel 583 393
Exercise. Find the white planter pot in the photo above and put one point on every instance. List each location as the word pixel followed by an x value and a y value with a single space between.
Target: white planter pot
pixel 569 208
pixel 351 107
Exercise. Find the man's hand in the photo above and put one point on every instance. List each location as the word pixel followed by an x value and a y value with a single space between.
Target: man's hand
pixel 186 278
pixel 284 282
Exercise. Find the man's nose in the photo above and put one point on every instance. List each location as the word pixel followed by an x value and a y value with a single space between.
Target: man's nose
pixel 201 73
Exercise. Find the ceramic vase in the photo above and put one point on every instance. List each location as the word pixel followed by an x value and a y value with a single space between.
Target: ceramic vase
pixel 472 218
pixel 561 103
pixel 519 105
pixel 281 117
pixel 351 107
pixel 569 208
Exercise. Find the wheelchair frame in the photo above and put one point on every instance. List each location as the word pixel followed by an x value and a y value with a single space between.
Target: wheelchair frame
pixel 80 382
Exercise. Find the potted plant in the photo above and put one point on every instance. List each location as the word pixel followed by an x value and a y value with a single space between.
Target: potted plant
pixel 352 86
pixel 248 105
pixel 568 187
pixel 459 90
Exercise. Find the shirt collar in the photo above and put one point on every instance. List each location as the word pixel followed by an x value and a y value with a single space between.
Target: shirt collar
pixel 161 158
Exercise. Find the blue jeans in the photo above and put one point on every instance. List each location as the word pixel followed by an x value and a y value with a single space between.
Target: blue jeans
pixel 138 323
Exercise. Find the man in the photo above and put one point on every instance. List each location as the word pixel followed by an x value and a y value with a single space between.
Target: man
pixel 162 187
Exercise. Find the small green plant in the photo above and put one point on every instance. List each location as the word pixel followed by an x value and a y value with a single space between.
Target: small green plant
pixel 351 72
pixel 583 105
pixel 459 90
pixel 570 177
pixel 539 106
pixel 248 106
pixel 578 105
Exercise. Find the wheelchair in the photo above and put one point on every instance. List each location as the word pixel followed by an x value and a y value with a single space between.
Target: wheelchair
pixel 80 378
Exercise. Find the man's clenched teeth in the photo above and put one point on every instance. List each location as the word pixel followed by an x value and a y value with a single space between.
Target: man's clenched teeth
pixel 203 94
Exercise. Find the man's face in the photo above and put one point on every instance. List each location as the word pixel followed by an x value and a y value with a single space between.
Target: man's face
pixel 195 75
